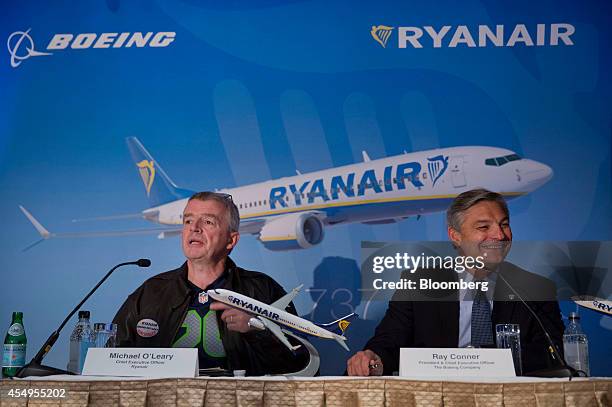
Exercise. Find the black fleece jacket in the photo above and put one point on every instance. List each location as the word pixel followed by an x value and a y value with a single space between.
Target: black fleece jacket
pixel 165 299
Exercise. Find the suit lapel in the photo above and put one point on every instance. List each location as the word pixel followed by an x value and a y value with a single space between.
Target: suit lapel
pixel 504 304
pixel 449 314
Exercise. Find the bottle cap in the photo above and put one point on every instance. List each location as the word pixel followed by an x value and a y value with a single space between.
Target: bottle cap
pixel 83 314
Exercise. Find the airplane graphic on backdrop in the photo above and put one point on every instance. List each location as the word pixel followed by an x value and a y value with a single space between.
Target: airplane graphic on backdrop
pixel 292 212
pixel 272 316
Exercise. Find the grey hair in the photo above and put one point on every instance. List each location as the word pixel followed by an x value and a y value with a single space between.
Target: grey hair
pixel 233 216
pixel 465 200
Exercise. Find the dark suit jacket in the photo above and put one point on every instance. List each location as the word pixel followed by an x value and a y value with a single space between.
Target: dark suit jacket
pixel 430 319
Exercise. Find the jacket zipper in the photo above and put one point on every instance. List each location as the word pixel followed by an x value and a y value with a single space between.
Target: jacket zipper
pixel 180 320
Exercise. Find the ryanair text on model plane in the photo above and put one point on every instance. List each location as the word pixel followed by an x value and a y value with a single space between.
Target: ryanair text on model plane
pixel 271 316
pixel 21 45
pixel 481 36
pixel 292 212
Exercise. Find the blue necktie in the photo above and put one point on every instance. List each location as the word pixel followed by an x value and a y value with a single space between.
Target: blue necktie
pixel 482 330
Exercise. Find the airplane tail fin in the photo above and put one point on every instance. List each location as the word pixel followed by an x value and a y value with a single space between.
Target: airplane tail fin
pixel 340 325
pixel 159 187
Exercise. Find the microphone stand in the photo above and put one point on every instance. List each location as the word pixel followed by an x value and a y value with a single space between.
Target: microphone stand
pixel 35 367
pixel 561 371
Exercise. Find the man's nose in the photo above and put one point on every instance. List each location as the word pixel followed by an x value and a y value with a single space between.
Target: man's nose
pixel 497 232
pixel 196 225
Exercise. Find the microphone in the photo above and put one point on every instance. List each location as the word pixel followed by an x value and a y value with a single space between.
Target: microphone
pixel 143 263
pixel 34 368
pixel 565 370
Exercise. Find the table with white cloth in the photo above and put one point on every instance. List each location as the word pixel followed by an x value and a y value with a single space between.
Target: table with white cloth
pixel 320 391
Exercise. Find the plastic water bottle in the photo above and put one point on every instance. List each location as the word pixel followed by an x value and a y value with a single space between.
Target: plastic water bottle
pixel 80 342
pixel 576 345
pixel 14 349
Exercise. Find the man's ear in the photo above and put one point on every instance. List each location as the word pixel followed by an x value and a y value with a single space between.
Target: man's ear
pixel 454 236
pixel 233 240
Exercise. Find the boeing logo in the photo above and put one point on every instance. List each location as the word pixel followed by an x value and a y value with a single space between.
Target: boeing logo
pixel 21 45
pixel 14 45
pixel 500 35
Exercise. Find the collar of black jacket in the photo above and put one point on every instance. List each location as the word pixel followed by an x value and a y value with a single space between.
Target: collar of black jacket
pixel 179 278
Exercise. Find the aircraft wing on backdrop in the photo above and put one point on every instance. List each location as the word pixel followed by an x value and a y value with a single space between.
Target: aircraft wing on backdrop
pixel 251 226
pixel 45 234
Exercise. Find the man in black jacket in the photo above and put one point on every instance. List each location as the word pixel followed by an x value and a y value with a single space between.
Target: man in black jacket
pixel 172 309
pixel 478 226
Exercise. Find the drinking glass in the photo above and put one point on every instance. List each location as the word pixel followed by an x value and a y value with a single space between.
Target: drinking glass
pixel 508 336
pixel 104 335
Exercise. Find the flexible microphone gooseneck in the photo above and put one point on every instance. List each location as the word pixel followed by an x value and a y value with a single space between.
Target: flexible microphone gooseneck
pixel 34 368
pixel 565 370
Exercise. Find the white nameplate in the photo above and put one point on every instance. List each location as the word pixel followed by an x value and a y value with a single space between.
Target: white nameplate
pixel 141 362
pixel 437 362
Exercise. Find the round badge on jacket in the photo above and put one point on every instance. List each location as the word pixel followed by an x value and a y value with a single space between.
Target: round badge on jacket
pixel 147 328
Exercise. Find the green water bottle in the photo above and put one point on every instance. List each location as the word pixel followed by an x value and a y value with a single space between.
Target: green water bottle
pixel 14 350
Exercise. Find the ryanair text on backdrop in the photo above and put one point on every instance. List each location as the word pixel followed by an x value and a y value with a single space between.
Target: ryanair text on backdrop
pixel 481 36
pixel 409 171
pixel 21 45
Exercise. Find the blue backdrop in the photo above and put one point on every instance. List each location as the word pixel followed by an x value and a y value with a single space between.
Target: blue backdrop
pixel 249 91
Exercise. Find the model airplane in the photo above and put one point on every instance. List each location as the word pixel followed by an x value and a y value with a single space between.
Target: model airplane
pixel 594 303
pixel 292 212
pixel 272 316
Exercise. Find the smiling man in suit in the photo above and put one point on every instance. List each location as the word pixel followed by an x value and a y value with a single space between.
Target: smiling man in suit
pixel 478 226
